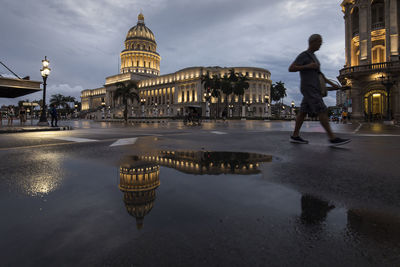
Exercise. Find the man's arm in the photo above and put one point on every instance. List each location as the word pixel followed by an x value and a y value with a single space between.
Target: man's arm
pixel 331 83
pixel 311 66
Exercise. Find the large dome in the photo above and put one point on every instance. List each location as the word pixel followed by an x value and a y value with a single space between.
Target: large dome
pixel 140 30
pixel 140 53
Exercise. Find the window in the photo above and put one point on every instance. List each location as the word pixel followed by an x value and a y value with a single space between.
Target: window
pixel 355 21
pixel 378 14
pixel 378 54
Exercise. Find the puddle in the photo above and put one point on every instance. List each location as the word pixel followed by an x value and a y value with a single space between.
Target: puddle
pixel 140 175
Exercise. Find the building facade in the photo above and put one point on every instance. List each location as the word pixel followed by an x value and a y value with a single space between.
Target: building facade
pixel 372 58
pixel 172 94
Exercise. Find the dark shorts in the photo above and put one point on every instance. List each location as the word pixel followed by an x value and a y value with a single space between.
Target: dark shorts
pixel 312 103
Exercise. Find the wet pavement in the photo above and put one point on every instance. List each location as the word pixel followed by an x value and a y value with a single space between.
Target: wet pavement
pixel 235 194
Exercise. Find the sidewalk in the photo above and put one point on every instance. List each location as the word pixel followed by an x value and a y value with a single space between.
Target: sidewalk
pixel 17 128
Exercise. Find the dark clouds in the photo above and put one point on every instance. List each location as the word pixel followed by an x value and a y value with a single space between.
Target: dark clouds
pixel 83 39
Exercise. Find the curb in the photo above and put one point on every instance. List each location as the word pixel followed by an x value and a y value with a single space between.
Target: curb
pixel 38 129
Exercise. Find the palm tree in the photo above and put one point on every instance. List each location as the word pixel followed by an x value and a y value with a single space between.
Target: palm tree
pixel 207 82
pixel 124 90
pixel 278 92
pixel 216 91
pixel 240 86
pixel 58 100
pixel 67 100
pixel 226 88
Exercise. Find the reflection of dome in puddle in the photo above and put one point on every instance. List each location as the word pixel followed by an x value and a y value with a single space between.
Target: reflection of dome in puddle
pixel 204 162
pixel 138 182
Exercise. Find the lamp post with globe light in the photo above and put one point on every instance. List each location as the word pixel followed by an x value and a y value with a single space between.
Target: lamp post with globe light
pixel 266 106
pixel 45 72
pixel 143 102
pixel 207 97
pixel 292 110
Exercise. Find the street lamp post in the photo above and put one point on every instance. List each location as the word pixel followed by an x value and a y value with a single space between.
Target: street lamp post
pixel 207 97
pixel 388 82
pixel 248 108
pixel 155 110
pixel 292 110
pixel 45 72
pixel 142 102
pixel 266 106
pixel 230 110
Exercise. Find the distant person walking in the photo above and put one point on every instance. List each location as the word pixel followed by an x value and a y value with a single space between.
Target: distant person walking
pixel 309 67
pixel 22 115
pixel 10 115
pixel 54 115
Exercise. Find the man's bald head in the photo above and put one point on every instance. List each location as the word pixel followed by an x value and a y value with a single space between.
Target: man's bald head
pixel 314 42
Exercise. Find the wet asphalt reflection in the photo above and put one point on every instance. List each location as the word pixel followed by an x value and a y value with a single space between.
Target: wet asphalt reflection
pixel 180 208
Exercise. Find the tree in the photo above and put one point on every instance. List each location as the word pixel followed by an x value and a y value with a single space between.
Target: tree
pixel 226 88
pixel 278 92
pixel 240 86
pixel 216 91
pixel 58 100
pixel 124 90
pixel 212 86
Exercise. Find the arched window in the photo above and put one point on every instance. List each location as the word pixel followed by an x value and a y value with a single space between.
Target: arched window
pixel 355 21
pixel 378 14
pixel 378 54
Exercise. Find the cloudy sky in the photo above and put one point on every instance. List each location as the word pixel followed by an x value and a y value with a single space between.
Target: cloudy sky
pixel 83 38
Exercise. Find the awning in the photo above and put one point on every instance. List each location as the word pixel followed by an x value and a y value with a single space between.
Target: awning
pixel 11 88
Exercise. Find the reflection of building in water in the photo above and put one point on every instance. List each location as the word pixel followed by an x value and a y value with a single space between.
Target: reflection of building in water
pixel 138 182
pixel 378 226
pixel 314 210
pixel 201 162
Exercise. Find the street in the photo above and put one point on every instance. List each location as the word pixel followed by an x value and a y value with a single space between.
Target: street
pixel 232 193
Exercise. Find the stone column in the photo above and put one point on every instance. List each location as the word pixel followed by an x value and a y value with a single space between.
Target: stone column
pixel 357 100
pixel 394 31
pixel 363 28
pixel 348 34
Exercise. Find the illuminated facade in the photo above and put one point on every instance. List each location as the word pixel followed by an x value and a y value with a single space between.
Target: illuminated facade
pixel 171 94
pixel 372 55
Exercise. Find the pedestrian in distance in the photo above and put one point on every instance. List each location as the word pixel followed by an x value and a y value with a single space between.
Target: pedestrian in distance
pixel 22 115
pixel 54 115
pixel 10 115
pixel 310 86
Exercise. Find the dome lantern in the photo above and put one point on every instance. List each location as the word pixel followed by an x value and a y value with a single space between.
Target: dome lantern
pixel 140 18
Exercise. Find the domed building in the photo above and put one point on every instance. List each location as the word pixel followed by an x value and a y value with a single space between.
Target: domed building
pixel 140 53
pixel 172 94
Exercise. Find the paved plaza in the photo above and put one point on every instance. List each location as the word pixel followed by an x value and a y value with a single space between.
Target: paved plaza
pixel 232 193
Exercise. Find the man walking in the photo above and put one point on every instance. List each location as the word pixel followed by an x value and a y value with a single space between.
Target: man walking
pixel 54 115
pixel 309 67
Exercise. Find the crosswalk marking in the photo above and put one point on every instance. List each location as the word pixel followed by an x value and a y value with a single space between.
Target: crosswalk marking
pixel 217 132
pixel 124 142
pixel 74 139
pixel 379 135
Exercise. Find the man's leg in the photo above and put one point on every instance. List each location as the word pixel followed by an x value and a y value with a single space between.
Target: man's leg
pixel 324 120
pixel 299 122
